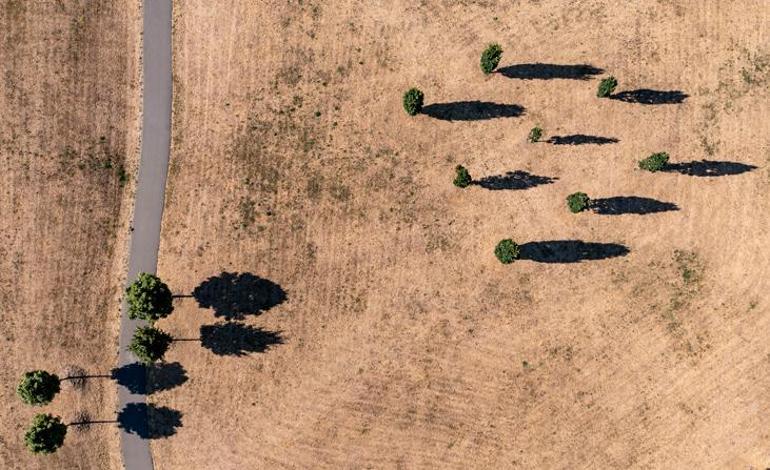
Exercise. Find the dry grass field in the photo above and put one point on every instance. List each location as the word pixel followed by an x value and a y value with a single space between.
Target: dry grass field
pixel 68 146
pixel 402 342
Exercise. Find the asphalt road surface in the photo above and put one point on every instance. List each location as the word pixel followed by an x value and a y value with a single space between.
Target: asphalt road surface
pixel 148 207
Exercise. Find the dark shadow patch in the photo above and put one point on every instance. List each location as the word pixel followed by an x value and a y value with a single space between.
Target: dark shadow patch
pixel 513 180
pixel 645 96
pixel 581 139
pixel 145 380
pixel 237 339
pixel 234 295
pixel 631 205
pixel 149 421
pixel 472 110
pixel 539 71
pixel 708 168
pixel 570 251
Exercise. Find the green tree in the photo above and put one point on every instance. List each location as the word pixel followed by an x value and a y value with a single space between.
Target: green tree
pixel 578 202
pixel 490 58
pixel 38 387
pixel 45 435
pixel 462 177
pixel 149 298
pixel 535 134
pixel 606 87
pixel 413 100
pixel 507 251
pixel 149 344
pixel 655 162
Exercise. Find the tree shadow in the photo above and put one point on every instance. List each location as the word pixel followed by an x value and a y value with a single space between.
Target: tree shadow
pixel 581 139
pixel 630 205
pixel 645 96
pixel 709 168
pixel 147 379
pixel 513 180
pixel 539 71
pixel 234 295
pixel 149 421
pixel 570 251
pixel 237 339
pixel 472 110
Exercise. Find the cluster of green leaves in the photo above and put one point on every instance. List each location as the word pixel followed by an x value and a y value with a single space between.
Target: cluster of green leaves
pixel 149 344
pixel 38 387
pixel 490 58
pixel 606 87
pixel 413 100
pixel 462 177
pixel 507 251
pixel 45 434
pixel 149 298
pixel 578 202
pixel 535 134
pixel 655 162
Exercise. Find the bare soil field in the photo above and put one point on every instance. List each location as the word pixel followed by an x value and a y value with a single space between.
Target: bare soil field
pixel 362 320
pixel 68 145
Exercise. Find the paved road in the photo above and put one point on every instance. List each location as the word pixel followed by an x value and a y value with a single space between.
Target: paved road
pixel 148 207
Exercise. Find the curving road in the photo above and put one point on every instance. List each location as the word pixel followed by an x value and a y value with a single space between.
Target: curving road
pixel 148 206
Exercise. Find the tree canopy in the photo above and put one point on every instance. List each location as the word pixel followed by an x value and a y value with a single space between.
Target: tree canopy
pixel 490 58
pixel 149 298
pixel 149 344
pixel 45 435
pixel 38 387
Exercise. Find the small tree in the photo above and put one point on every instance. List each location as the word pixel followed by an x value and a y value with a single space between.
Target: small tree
pixel 413 100
pixel 578 202
pixel 507 251
pixel 490 58
pixel 462 177
pixel 606 87
pixel 655 162
pixel 149 344
pixel 38 387
pixel 535 134
pixel 45 435
pixel 149 298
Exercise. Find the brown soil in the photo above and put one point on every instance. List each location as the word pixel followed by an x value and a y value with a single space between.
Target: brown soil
pixel 68 131
pixel 406 344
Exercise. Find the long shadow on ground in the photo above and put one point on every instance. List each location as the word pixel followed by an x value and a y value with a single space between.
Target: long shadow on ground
pixel 234 295
pixel 147 379
pixel 570 251
pixel 581 139
pixel 472 110
pixel 237 339
pixel 645 96
pixel 709 168
pixel 539 71
pixel 513 180
pixel 630 205
pixel 149 421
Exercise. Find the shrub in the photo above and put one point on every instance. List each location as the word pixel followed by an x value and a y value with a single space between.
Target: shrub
pixel 413 100
pixel 606 87
pixel 45 435
pixel 578 202
pixel 490 58
pixel 149 298
pixel 655 162
pixel 462 177
pixel 507 251
pixel 535 134
pixel 38 387
pixel 149 344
